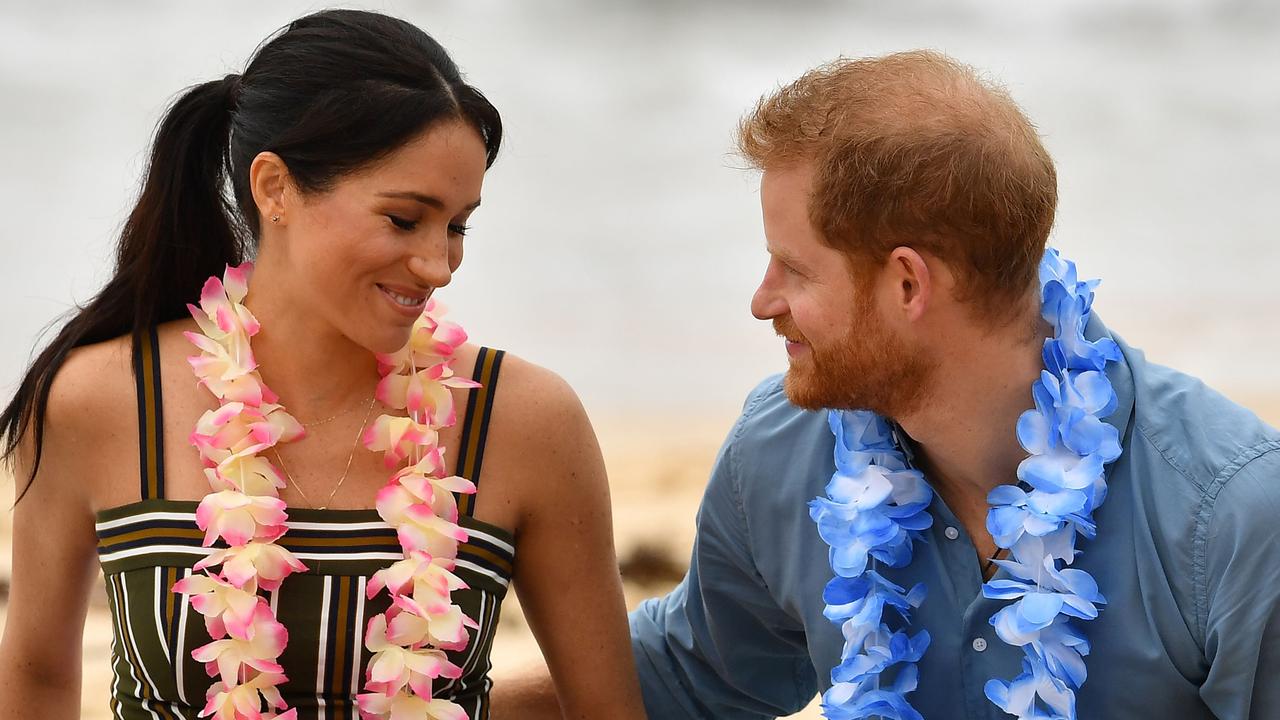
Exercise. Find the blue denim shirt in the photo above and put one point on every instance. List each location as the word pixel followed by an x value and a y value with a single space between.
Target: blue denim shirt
pixel 1187 555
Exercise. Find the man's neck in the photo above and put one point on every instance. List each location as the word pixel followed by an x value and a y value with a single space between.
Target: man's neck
pixel 965 432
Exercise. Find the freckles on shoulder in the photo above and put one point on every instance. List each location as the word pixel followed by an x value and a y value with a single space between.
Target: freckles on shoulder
pixel 541 443
pixel 536 409
pixel 89 417
pixel 94 388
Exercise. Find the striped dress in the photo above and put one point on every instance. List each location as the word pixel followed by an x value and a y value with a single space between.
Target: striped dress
pixel 147 546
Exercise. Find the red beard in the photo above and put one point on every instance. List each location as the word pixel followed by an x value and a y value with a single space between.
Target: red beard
pixel 869 368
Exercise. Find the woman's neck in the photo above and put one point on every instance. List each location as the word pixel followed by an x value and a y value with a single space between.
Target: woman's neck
pixel 314 368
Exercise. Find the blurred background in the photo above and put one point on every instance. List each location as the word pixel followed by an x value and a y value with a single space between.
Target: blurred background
pixel 619 243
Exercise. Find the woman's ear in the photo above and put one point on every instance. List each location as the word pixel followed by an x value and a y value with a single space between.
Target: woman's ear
pixel 269 181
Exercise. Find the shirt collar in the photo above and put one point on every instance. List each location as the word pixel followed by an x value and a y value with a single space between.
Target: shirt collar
pixel 1120 375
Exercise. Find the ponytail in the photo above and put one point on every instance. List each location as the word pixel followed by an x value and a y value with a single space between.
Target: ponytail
pixel 182 230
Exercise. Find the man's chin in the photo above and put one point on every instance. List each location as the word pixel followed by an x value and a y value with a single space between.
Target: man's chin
pixel 806 392
pixel 811 393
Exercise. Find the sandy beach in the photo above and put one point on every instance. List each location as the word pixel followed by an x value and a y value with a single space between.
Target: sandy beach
pixel 655 495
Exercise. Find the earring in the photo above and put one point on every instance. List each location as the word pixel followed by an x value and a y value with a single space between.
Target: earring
pixel 275 218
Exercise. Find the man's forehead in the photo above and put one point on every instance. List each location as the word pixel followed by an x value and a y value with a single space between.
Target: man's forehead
pixel 789 178
pixel 784 199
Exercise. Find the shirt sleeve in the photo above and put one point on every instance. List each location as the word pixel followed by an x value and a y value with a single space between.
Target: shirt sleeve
pixel 718 646
pixel 1242 593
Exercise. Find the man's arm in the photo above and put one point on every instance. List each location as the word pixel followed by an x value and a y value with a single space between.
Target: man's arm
pixel 719 646
pixel 1242 594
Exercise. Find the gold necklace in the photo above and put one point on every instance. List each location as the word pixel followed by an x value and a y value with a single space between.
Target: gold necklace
pixel 331 418
pixel 293 483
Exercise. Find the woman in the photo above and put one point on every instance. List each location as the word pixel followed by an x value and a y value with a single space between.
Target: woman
pixel 355 155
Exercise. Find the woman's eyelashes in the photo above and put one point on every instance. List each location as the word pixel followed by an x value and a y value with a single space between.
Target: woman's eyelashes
pixel 411 225
pixel 402 223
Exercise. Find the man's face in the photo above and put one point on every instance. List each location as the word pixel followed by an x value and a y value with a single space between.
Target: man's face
pixel 842 353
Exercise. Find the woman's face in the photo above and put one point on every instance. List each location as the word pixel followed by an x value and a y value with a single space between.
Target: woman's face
pixel 367 253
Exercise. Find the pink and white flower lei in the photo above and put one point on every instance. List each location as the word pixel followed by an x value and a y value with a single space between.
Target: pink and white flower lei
pixel 409 641
pixel 244 510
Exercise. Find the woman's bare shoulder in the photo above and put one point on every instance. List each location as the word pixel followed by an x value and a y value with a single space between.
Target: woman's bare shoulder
pixel 93 385
pixel 171 335
pixel 542 428
pixel 90 397
pixel 546 452
pixel 531 395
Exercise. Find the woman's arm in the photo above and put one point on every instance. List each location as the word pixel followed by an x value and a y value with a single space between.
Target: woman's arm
pixel 566 568
pixel 526 694
pixel 54 554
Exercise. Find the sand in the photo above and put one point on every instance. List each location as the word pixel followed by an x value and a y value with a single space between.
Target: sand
pixel 655 495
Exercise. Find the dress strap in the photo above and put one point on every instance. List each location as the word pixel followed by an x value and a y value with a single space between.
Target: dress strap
pixel 146 370
pixel 475 428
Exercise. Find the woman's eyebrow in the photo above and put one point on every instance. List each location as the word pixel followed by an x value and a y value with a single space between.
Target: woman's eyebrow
pixel 432 201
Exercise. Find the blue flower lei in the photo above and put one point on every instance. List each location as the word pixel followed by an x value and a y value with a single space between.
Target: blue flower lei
pixel 876 506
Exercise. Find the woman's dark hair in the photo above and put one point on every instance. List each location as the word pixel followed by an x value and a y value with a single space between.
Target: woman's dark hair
pixel 331 93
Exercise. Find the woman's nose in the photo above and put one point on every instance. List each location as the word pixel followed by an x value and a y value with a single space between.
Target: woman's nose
pixel 432 270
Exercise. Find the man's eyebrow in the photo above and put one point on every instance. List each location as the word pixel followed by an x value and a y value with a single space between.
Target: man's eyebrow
pixel 785 257
pixel 429 200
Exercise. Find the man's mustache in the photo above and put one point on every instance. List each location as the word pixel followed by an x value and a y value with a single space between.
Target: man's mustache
pixel 786 327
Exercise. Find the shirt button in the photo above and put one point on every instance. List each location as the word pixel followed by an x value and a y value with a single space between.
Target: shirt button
pixel 951 533
pixel 979 644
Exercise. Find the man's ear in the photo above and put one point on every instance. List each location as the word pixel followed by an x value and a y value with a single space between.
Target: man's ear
pixel 910 283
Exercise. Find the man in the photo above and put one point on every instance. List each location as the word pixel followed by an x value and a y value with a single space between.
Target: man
pixel 907 205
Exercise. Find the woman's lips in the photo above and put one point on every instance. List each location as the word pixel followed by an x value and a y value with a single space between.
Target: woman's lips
pixel 391 294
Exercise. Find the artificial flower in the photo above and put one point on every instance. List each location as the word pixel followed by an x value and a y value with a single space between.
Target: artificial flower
pixel 238 518
pixel 407 707
pixel 244 701
pixel 395 665
pixel 225 606
pixel 264 564
pixel 264 640
pixel 397 438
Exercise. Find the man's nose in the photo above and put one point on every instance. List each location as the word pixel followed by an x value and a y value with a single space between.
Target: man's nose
pixel 767 303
